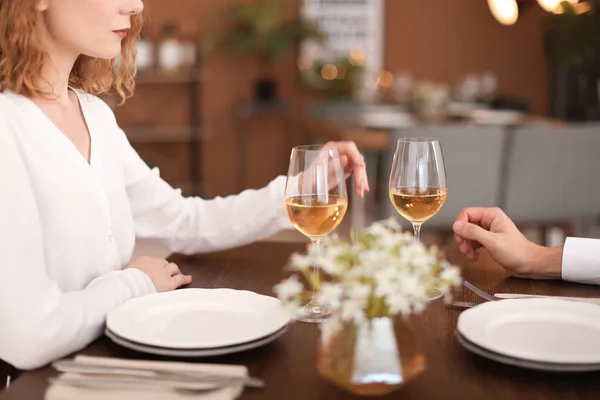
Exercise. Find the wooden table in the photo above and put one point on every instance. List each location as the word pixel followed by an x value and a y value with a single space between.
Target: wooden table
pixel 288 365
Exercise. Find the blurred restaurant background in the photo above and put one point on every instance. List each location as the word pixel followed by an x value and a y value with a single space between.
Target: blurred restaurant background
pixel 511 88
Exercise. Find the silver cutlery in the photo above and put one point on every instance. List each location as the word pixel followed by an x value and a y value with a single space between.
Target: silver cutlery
pixel 131 384
pixel 462 304
pixel 184 376
pixel 479 292
pixel 591 300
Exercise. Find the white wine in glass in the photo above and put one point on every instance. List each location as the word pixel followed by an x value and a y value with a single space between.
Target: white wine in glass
pixel 418 182
pixel 418 205
pixel 316 217
pixel 316 202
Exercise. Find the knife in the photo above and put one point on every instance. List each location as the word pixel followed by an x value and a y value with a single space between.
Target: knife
pixel 123 383
pixel 591 300
pixel 184 376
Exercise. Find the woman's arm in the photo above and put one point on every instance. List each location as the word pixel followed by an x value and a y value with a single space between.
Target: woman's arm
pixel 195 225
pixel 38 322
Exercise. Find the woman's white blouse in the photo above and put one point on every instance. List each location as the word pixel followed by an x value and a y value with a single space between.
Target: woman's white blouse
pixel 69 227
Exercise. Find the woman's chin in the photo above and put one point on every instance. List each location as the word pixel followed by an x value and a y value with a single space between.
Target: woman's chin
pixel 107 54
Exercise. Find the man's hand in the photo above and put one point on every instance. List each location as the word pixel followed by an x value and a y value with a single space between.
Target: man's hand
pixel 493 229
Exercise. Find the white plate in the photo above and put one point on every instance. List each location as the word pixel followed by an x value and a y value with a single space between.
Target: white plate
pixel 544 330
pixel 497 117
pixel 217 351
pixel 517 362
pixel 385 119
pixel 197 318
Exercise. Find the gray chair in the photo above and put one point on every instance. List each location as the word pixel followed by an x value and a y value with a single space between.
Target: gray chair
pixel 473 158
pixel 553 174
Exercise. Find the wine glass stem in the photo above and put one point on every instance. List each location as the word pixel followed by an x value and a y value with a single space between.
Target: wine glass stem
pixel 417 229
pixel 315 271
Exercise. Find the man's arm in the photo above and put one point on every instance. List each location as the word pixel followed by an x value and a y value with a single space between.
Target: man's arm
pixel 581 260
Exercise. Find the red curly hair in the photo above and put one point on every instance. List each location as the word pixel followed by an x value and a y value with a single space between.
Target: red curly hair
pixel 22 56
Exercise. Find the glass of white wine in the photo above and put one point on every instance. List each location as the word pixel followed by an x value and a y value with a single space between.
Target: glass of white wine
pixel 418 183
pixel 316 202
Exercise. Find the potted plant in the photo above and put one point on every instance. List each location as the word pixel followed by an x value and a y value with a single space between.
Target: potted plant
pixel 336 79
pixel 572 46
pixel 261 29
pixel 381 274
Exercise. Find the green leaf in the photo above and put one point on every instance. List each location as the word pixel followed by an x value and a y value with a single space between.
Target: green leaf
pixel 572 40
pixel 240 44
pixel 210 43
pixel 259 27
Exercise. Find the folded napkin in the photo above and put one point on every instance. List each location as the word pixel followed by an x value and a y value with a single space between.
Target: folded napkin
pixel 67 392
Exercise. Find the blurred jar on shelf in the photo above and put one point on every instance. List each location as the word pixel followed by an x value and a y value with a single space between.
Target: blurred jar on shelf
pixel 170 51
pixel 145 52
pixel 488 87
pixel 432 100
pixel 468 89
pixel 189 44
pixel 403 87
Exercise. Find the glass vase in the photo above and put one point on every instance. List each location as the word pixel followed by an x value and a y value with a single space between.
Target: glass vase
pixel 370 359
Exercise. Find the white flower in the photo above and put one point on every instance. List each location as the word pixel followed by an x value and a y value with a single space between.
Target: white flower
pixel 359 291
pixel 391 242
pixel 380 264
pixel 398 303
pixel 294 309
pixel 329 328
pixel 451 275
pixel 386 281
pixel 353 310
pixel 299 262
pixel 371 262
pixel 386 287
pixel 391 223
pixel 331 293
pixel 377 230
pixel 417 256
pixel 329 265
pixel 288 289
pixel 413 287
pixel 419 307
pixel 434 251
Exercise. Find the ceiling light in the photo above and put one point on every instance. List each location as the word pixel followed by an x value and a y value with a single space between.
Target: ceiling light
pixel 505 11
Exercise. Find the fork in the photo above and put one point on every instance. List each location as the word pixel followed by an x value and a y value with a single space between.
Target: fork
pixel 462 304
pixel 480 292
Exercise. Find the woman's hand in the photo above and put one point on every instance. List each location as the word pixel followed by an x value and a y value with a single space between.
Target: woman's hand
pixel 164 275
pixel 353 162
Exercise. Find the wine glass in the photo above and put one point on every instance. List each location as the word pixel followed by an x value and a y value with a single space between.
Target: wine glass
pixel 418 183
pixel 316 202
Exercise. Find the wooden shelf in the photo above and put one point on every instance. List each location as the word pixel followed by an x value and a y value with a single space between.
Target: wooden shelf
pixel 160 134
pixel 175 77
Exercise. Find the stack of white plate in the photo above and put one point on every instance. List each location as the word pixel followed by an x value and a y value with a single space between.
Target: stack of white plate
pixel 382 117
pixel 543 334
pixel 197 322
pixel 497 117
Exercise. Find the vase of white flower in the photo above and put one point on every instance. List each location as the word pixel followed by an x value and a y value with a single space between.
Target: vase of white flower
pixel 381 274
pixel 373 358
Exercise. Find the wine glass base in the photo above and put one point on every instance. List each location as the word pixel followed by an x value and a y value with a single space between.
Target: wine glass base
pixel 316 312
pixel 434 294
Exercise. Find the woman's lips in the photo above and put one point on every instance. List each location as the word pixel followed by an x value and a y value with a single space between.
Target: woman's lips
pixel 122 33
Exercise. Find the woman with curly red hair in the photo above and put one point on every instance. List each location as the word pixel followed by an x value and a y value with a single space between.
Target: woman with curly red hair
pixel 75 194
